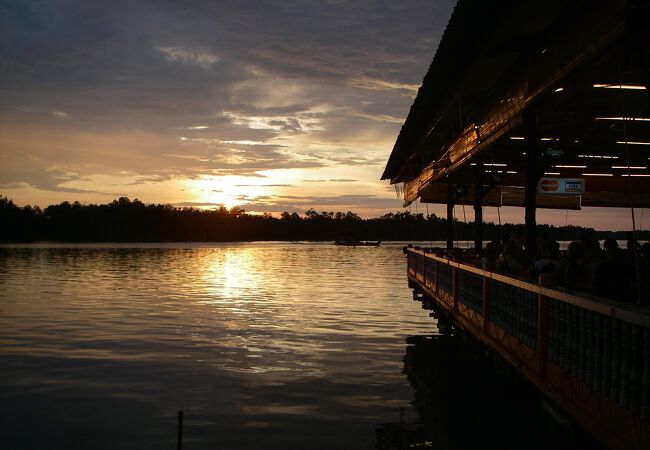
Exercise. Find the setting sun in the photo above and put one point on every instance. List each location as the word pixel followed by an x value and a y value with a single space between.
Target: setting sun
pixel 228 191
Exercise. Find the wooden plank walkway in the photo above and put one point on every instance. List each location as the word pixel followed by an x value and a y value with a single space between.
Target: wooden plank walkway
pixel 590 356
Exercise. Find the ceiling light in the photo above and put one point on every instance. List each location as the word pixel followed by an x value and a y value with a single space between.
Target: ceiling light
pixel 633 142
pixel 631 119
pixel 621 86
pixel 630 167
pixel 597 174
pixel 570 167
pixel 598 156
pixel 521 138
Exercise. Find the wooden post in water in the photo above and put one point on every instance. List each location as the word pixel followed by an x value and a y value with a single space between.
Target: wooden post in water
pixel 179 441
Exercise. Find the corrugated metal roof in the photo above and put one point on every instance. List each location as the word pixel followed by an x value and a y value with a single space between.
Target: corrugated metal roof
pixel 482 42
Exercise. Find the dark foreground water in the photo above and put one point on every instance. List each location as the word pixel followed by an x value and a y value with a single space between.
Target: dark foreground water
pixel 263 345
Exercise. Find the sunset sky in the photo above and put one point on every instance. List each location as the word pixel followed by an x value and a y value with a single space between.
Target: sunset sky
pixel 269 105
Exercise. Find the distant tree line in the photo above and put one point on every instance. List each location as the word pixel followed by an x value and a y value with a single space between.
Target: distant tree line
pixel 124 220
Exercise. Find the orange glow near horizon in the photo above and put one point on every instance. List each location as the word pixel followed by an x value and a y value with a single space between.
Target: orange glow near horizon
pixel 233 190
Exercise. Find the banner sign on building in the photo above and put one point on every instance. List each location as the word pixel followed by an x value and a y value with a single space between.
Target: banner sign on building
pixel 561 186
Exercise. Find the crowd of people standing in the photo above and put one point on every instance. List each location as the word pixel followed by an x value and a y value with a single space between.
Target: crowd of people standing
pixel 609 271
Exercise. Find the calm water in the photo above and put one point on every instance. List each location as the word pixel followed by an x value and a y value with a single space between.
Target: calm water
pixel 263 345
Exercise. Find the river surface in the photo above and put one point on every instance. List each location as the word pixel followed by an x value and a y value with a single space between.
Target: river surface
pixel 262 345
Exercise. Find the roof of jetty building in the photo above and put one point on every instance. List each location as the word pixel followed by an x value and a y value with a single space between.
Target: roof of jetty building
pixel 582 67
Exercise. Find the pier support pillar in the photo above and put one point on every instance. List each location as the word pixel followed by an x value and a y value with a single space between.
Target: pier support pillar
pixel 531 126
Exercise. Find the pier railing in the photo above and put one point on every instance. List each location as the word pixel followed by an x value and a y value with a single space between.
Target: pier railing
pixel 588 355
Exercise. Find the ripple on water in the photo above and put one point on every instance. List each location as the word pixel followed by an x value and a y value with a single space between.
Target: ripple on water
pixel 261 342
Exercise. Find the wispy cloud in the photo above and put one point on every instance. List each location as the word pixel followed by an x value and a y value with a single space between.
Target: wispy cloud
pixel 163 93
pixel 296 124
pixel 369 205
pixel 193 57
pixel 348 160
pixel 332 180
pixel 263 185
pixel 383 85
pixel 381 117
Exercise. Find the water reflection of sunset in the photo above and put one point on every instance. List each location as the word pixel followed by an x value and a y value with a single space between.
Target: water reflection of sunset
pixel 236 334
pixel 231 274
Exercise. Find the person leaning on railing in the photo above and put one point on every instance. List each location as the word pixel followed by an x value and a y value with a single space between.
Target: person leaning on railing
pixel 615 275
pixel 548 259
pixel 510 259
pixel 593 258
pixel 572 271
pixel 490 256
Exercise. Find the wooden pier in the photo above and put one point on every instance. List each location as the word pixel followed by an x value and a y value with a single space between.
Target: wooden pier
pixel 589 356
pixel 539 104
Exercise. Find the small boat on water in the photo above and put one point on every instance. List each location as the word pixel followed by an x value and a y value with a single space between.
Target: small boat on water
pixel 357 243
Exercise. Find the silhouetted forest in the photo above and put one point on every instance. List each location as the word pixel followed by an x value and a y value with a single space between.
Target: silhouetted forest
pixel 124 220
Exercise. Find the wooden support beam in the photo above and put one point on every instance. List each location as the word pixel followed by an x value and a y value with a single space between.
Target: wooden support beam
pixel 542 333
pixel 486 303
pixel 455 287
pixel 531 136
pixel 450 214
pixel 435 276
pixel 478 207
